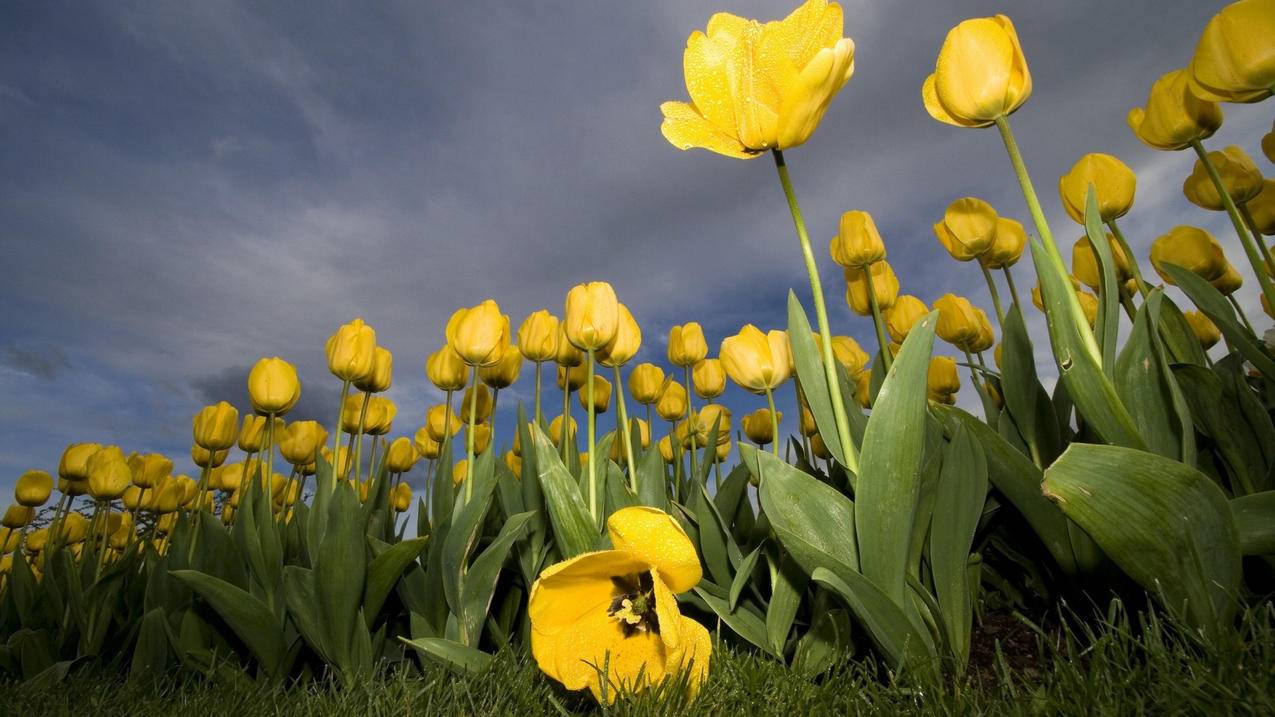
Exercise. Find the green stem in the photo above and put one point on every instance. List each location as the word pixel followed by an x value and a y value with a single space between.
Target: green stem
pixel 469 438
pixel 692 422
pixel 1242 315
pixel 565 433
pixel 1143 287
pixel 877 321
pixel 358 438
pixel 537 394
pixel 336 429
pixel 622 417
pixel 1127 302
pixel 1013 290
pixel 821 316
pixel 1246 240
pixel 593 474
pixel 996 296
pixel 270 451
pixel 1257 234
pixel 774 422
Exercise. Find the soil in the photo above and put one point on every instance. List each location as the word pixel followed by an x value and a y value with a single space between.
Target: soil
pixel 1016 641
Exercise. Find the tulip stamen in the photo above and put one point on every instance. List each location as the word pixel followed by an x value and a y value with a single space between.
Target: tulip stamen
pixel 634 605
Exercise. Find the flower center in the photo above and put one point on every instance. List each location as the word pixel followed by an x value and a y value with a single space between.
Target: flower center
pixel 633 607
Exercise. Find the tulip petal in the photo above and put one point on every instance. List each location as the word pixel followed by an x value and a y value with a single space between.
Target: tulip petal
pixel 936 109
pixel 685 128
pixel 806 99
pixel 653 538
pixel 974 69
pixel 693 653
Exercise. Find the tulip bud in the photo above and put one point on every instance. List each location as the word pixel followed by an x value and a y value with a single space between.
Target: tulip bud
pixel 863 390
pixel 1204 329
pixel 380 418
pixel 709 415
pixel 150 469
pixel 1234 60
pixel 646 382
pixel 214 426
pixel 441 422
pixel 571 379
pixel 379 379
pixel 109 474
pixel 849 354
pixel 1011 238
pixel 592 315
pixel 906 312
pixel 37 540
pixel 1239 175
pixel 425 444
pixel 273 386
pixel 301 441
pixel 1174 117
pixel 504 373
pixel 479 334
pixel 252 433
pixel 980 75
pixel 482 437
pixel 666 450
pixel 857 243
pixel 75 459
pixel 460 471
pixel 538 336
pixel 482 409
pixel 17 516
pixel 807 423
pixel 353 410
pixel 568 355
pixel 514 463
pixel 968 228
pixel 1192 249
pixel 1114 186
pixel 673 401
pixel 601 395
pixel 401 455
pixel 351 351
pixel 626 342
pixel 941 380
pixel 1229 282
pixel 1084 263
pixel 818 448
pixel 641 432
pixel 1262 207
pixel 958 321
pixel 686 344
pixel 708 378
pixel 555 429
pixel 986 336
pixel 1268 144
pixel 447 370
pixel 205 458
pixel 34 488
pixel 1088 306
pixel 401 497
pixel 885 286
pixel 759 428
pixel 757 362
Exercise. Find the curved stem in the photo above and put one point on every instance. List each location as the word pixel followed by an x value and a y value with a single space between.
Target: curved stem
pixel 821 316
pixel 996 296
pixel 774 422
pixel 1133 258
pixel 593 474
pixel 1246 240
pixel 883 344
pixel 622 417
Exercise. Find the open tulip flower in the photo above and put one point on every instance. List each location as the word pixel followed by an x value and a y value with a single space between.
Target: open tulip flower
pixel 609 621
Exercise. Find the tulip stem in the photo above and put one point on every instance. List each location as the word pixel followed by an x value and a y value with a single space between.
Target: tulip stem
pixel 1243 317
pixel 1013 289
pixel 996 296
pixel 622 417
pixel 270 451
pixel 774 421
pixel 1246 239
pixel 1126 300
pixel 565 433
pixel 469 439
pixel 593 474
pixel 336 430
pixel 1257 235
pixel 692 423
pixel 1133 258
pixel 877 321
pixel 358 437
pixel 821 316
pixel 988 406
pixel 1054 258
pixel 537 394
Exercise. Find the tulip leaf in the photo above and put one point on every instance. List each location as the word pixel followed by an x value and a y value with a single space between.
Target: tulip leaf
pixel 961 491
pixel 1108 318
pixel 1238 441
pixel 1255 522
pixel 1214 305
pixel 340 570
pixel 743 576
pixel 480 581
pixel 150 651
pixel 808 361
pixel 250 618
pixel 462 534
pixel 889 482
pixel 574 530
pixel 1079 367
pixel 1180 343
pixel 303 607
pixel 785 599
pixel 1168 526
pixel 1025 399
pixel 901 642
pixel 746 623
pixel 652 490
pixel 1145 390
pixel 384 573
pixel 462 658
pixel 814 522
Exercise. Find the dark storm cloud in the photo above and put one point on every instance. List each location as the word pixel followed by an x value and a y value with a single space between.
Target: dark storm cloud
pixel 188 187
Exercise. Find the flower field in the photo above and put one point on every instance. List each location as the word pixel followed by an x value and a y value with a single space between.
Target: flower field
pixel 850 543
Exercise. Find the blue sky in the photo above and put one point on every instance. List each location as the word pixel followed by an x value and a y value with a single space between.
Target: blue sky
pixel 187 187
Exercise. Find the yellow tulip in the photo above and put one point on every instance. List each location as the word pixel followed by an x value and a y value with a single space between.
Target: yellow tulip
pixel 301 441
pixel 1234 60
pixel 1174 117
pixel 985 337
pixel 425 444
pixel 215 427
pixel 150 469
pixel 568 355
pixel 401 497
pixel 1114 186
pixel 1088 306
pixel 482 437
pixel 625 344
pixel 479 334
pixel 446 369
pixel 646 381
pixel 1008 247
pixel 980 76
pixel 381 413
pixel 571 379
pixel 351 351
pixel 614 612
pixel 440 422
pixel 538 336
pixel 1204 329
pixel 504 373
pixel 686 344
pixel 74 463
pixel 555 429
pixel 1229 282
pixel 401 455
pixel 1268 144
pixel 17 516
pixel 708 378
pixel 958 321
pixel 709 415
pixel 252 433
pixel 1262 208
pixel 109 474
pixel 483 406
pixel 759 427
pixel 941 380
pixel 863 390
pixel 857 243
pixel 592 315
pixel 968 228
pixel 1190 248
pixel 378 380
pixel 33 488
pixel 672 404
pixel 757 362
pixel 666 450
pixel 885 286
pixel 755 87
pixel 903 315
pixel 1239 175
pixel 849 354
pixel 1084 263
pixel 601 395
pixel 460 471
pixel 203 457
pixel 273 386
pixel 807 424
pixel 514 463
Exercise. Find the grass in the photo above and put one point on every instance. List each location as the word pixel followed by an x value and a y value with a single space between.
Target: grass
pixel 1122 667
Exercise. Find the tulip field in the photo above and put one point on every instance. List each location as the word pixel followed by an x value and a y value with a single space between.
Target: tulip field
pixel 857 541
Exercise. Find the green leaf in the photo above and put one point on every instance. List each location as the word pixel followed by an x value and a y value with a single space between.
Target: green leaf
pixel 1145 391
pixel 1164 523
pixel 384 572
pixel 743 576
pixel 467 520
pixel 886 494
pixel 303 606
pixel 891 631
pixel 814 522
pixel 574 531
pixel 250 618
pixel 1255 522
pixel 789 585
pixel 1108 318
pixel 150 652
pixel 1215 306
pixel 1025 399
pixel 463 659
pixel 810 372
pixel 743 621
pixel 340 569
pixel 961 491
pixel 480 582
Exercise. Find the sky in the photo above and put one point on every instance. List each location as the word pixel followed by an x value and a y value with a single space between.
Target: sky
pixel 188 187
